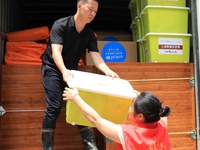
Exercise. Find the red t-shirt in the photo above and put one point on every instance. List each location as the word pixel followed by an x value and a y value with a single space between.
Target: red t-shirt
pixel 119 146
pixel 144 136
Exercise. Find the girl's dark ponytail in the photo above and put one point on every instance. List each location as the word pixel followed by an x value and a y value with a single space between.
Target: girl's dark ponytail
pixel 164 112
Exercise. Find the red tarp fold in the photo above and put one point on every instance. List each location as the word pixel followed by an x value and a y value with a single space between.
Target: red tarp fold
pixel 24 53
pixel 34 34
pixel 22 46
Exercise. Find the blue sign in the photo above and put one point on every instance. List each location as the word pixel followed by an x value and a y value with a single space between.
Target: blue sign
pixel 114 52
pixel 110 38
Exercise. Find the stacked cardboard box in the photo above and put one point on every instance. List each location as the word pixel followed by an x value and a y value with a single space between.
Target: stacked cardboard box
pixel 115 46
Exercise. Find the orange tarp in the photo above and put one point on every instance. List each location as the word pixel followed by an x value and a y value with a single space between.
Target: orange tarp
pixel 24 53
pixel 21 48
pixel 34 34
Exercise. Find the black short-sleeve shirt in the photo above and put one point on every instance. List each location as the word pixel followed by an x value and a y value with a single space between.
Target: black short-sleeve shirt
pixel 63 32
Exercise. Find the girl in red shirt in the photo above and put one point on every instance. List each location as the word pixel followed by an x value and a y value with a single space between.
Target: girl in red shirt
pixel 149 131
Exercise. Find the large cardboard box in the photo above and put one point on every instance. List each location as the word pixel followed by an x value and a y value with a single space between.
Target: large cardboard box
pixel 115 35
pixel 115 51
pixel 111 98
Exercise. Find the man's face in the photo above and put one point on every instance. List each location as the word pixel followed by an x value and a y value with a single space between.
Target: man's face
pixel 88 10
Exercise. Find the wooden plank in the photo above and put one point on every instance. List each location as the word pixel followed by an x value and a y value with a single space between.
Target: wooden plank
pixel 23 99
pixel 20 133
pixel 169 81
pixel 172 85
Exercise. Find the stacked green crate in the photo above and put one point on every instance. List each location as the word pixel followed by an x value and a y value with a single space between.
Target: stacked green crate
pixel 135 8
pixel 137 33
pixel 179 3
pixel 162 30
pixel 135 27
pixel 135 11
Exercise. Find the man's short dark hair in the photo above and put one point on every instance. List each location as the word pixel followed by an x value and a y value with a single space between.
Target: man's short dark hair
pixel 85 1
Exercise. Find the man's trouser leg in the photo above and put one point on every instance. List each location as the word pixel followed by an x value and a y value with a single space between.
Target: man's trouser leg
pixel 87 135
pixel 53 89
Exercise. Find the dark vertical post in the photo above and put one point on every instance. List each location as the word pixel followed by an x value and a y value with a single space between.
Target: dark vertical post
pixel 2 47
pixel 195 42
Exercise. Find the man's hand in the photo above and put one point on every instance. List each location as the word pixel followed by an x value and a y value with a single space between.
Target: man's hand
pixel 111 74
pixel 66 74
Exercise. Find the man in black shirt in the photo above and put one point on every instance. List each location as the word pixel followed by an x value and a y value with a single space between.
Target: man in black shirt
pixel 69 39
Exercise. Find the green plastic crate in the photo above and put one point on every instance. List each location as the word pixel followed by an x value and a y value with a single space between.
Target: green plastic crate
pixel 165 19
pixel 179 3
pixel 136 29
pixel 135 8
pixel 166 47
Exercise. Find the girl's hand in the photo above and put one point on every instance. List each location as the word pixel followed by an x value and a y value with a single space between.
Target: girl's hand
pixel 69 94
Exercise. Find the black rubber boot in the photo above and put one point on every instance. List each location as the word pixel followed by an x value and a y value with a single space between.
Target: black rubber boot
pixel 87 135
pixel 47 139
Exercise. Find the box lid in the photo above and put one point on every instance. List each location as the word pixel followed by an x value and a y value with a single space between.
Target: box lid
pixel 101 84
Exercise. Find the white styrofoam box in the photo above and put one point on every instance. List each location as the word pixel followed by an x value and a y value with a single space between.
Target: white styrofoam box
pixel 111 98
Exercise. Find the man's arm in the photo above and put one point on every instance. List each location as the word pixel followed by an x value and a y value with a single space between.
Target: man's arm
pixel 57 57
pixel 101 65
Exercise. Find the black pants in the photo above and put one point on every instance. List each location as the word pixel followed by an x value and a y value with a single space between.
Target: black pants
pixel 53 88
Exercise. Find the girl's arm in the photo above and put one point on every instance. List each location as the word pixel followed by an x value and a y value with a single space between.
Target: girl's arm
pixel 165 120
pixel 107 128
